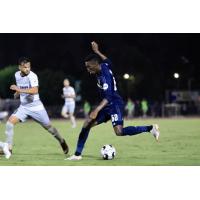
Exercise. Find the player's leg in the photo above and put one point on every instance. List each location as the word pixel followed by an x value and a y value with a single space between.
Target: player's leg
pixel 52 130
pixel 117 121
pixel 135 130
pixel 64 112
pixel 71 114
pixel 83 135
pixel 13 119
pixel 42 118
pixel 88 124
pixel 131 130
pixel 19 115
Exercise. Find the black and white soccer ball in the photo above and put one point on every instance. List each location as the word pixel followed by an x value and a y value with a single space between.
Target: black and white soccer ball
pixel 108 152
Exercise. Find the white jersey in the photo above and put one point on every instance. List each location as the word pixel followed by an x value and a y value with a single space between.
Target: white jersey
pixel 68 91
pixel 31 106
pixel 25 82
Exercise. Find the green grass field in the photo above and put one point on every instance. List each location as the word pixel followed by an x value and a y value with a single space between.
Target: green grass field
pixel 179 145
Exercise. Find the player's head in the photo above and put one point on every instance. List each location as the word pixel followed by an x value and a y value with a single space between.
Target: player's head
pixel 24 65
pixel 66 82
pixel 92 64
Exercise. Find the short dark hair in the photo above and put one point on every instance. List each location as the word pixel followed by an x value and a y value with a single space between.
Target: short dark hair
pixel 23 60
pixel 92 57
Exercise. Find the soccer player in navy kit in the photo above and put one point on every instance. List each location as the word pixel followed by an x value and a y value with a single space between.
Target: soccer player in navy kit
pixel 111 105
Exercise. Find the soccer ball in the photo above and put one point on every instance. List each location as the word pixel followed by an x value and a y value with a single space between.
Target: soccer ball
pixel 108 152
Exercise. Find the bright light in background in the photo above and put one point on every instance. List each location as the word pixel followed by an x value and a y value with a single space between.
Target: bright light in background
pixel 176 75
pixel 126 76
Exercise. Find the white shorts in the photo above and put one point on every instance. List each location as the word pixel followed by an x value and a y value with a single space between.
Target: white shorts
pixel 40 115
pixel 3 114
pixel 69 107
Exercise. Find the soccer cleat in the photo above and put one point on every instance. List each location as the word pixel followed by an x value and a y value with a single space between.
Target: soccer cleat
pixel 65 147
pixel 74 157
pixel 6 151
pixel 74 126
pixel 2 153
pixel 155 131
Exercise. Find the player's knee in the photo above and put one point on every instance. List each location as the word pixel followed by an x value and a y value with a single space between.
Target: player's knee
pixel 13 120
pixel 47 127
pixel 88 123
pixel 71 115
pixel 9 125
pixel 118 131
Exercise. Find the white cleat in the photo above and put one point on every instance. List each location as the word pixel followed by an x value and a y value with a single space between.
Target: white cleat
pixel 6 151
pixel 155 131
pixel 74 157
pixel 74 126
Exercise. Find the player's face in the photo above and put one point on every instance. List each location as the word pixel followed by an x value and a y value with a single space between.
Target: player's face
pixel 25 68
pixel 92 67
pixel 66 83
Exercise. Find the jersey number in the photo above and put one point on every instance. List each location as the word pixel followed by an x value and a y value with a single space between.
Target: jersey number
pixel 114 118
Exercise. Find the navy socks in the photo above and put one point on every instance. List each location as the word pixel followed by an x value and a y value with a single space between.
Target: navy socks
pixel 81 141
pixel 134 130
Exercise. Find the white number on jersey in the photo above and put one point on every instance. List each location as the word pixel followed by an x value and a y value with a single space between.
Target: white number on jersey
pixel 114 118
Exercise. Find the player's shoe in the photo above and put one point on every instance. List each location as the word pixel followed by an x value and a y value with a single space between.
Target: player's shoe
pixel 2 153
pixel 6 151
pixel 74 126
pixel 65 147
pixel 155 131
pixel 74 157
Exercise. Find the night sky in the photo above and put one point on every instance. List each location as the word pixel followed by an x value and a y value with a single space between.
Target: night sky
pixel 151 58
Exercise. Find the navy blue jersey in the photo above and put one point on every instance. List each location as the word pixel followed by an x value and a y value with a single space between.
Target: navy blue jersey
pixel 107 85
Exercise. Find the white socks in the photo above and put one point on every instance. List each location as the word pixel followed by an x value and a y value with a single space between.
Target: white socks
pixel 9 133
pixel 1 145
pixel 73 121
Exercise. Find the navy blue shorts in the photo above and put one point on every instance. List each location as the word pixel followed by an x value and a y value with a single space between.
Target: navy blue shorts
pixel 113 112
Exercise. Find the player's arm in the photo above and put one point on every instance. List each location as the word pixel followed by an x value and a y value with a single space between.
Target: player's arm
pixel 33 90
pixel 95 48
pixel 95 112
pixel 73 96
pixel 16 95
pixel 68 96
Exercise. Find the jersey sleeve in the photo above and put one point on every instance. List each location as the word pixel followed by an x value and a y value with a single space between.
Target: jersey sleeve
pixel 34 80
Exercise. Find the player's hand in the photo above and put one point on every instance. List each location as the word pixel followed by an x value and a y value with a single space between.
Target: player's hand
pixel 93 114
pixel 95 46
pixel 15 88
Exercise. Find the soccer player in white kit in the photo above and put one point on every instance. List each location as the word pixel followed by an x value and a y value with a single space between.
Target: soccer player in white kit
pixel 31 106
pixel 68 109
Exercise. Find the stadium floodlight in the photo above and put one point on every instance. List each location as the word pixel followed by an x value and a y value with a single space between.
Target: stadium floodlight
pixel 176 75
pixel 126 76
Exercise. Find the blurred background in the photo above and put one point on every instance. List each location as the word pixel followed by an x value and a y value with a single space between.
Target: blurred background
pixel 157 74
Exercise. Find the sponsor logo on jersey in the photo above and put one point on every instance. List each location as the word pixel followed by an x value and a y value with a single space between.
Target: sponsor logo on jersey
pixel 103 87
pixel 23 87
